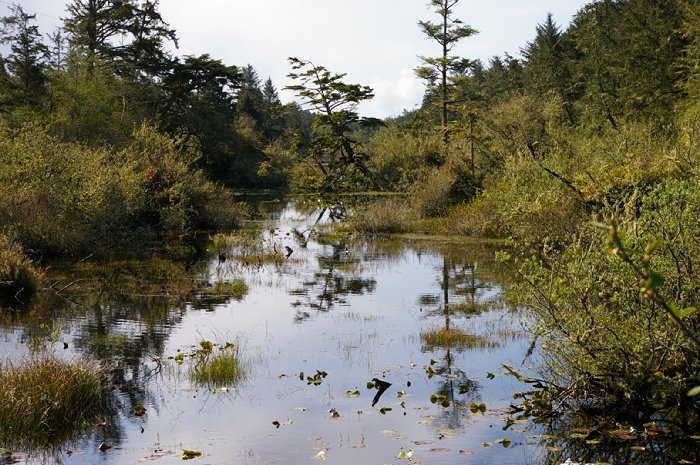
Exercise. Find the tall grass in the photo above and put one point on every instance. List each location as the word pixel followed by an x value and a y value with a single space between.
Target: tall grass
pixel 383 216
pixel 46 401
pixel 217 366
pixel 19 280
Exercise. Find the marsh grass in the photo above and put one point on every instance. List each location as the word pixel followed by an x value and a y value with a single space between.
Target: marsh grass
pixel 236 289
pixel 19 280
pixel 248 248
pixel 217 365
pixel 454 338
pixel 383 216
pixel 47 401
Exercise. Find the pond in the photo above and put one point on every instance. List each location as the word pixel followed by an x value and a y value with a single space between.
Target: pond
pixel 313 328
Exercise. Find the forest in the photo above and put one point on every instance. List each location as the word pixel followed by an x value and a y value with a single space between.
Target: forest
pixel 581 158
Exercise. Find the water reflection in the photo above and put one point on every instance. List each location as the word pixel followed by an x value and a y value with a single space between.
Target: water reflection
pixel 353 308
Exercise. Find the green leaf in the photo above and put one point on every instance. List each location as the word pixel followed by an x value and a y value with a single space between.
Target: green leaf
pixel 477 408
pixel 654 281
pixel 601 226
pixel 694 392
pixel 687 312
pixel 651 247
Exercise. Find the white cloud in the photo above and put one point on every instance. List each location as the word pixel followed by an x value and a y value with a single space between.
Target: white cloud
pixel 393 96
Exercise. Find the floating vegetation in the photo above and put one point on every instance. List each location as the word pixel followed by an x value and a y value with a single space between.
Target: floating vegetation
pixel 47 401
pixel 477 408
pixel 278 423
pixel 316 379
pixel 440 399
pixel 454 338
pixel 214 365
pixel 190 454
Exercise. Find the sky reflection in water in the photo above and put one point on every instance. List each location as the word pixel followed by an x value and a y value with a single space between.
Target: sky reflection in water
pixel 349 307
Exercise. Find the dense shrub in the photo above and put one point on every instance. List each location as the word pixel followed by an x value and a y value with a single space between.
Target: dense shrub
pixel 59 198
pixel 604 341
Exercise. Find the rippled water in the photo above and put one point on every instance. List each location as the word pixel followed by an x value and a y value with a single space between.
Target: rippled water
pixel 352 308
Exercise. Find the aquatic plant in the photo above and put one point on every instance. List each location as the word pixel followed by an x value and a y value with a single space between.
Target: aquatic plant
pixel 46 400
pixel 216 365
pixel 236 288
pixel 454 338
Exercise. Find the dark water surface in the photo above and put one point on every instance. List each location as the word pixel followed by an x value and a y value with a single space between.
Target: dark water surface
pixel 349 307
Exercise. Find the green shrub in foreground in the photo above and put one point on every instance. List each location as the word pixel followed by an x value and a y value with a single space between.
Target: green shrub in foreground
pixel 46 401
pixel 606 340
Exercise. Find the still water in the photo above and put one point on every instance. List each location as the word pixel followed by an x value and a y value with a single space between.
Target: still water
pixel 313 329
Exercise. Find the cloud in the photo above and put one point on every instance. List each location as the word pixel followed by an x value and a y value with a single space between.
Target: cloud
pixel 393 96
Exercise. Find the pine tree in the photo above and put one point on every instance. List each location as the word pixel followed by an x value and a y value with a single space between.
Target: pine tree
pixel 547 68
pixel 26 63
pixel 436 71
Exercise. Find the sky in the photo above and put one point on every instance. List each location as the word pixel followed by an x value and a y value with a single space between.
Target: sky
pixel 375 42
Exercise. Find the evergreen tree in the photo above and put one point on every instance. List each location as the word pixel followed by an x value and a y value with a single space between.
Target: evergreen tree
pixel 629 56
pixel 26 63
pixel 446 33
pixel 547 68
pixel 332 148
pixel 93 26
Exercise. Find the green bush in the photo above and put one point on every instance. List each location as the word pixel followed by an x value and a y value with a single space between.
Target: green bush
pixel 606 338
pixel 65 198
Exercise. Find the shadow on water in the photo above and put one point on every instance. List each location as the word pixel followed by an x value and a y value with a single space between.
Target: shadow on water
pixel 424 318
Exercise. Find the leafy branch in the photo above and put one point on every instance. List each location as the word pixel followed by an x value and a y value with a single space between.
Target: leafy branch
pixel 650 280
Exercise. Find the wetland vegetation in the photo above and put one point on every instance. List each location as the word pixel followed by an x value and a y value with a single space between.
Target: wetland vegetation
pixel 354 312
